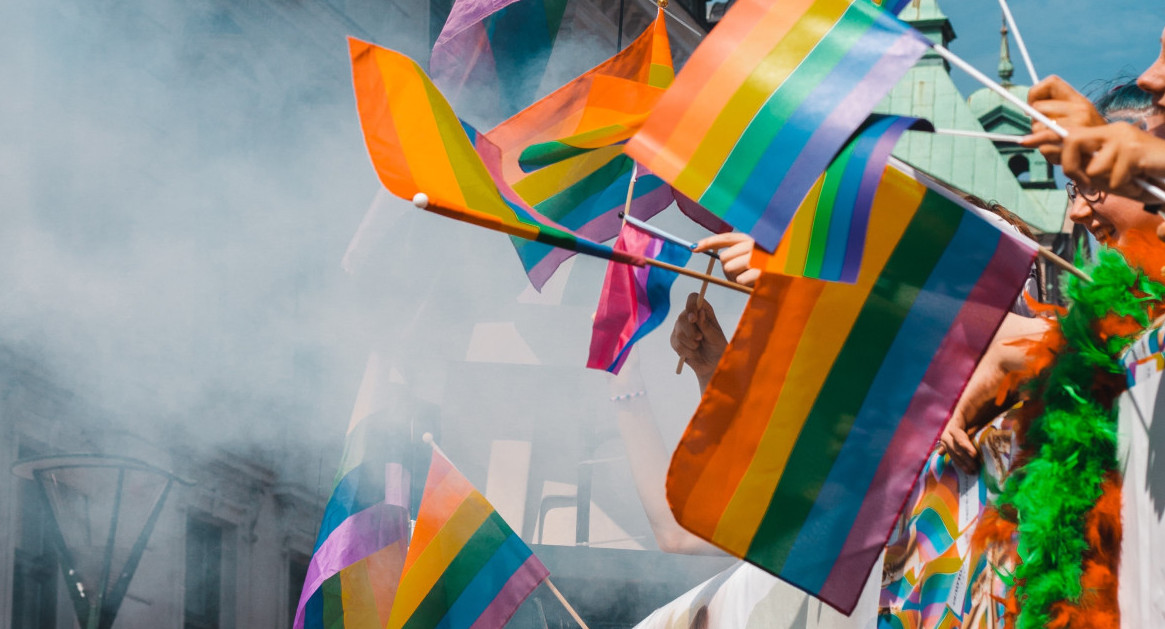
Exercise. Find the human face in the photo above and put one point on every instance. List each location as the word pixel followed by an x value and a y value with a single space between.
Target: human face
pixel 1110 218
pixel 1152 80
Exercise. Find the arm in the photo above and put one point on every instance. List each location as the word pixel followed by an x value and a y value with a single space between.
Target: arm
pixel 649 462
pixel 977 405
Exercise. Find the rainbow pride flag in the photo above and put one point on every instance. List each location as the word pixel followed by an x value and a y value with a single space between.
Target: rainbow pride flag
pixel 634 300
pixel 465 567
pixel 831 396
pixel 828 233
pixel 767 100
pixel 563 155
pixel 491 55
pixel 417 144
pixel 360 550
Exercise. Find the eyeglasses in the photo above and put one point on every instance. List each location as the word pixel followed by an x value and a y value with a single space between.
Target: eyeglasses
pixel 1090 196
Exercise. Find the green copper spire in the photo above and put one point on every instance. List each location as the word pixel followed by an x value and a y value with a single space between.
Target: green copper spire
pixel 1006 69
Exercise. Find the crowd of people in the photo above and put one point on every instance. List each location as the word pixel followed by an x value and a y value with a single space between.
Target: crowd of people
pixel 1113 154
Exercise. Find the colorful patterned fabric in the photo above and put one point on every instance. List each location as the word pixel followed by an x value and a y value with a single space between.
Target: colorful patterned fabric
pixel 767 100
pixel 827 401
pixel 935 573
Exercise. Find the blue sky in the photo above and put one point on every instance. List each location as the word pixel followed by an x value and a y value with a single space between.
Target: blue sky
pixel 1080 40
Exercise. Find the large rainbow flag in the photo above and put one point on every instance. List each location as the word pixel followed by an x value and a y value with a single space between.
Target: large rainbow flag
pixel 360 550
pixel 634 300
pixel 491 54
pixel 465 567
pixel 767 100
pixel 563 155
pixel 830 396
pixel 417 144
pixel 828 233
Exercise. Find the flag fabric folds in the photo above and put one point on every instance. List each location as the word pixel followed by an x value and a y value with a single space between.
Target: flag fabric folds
pixel 360 550
pixel 417 144
pixel 828 233
pixel 465 567
pixel 830 396
pixel 492 54
pixel 893 6
pixel 563 155
pixel 767 100
pixel 634 300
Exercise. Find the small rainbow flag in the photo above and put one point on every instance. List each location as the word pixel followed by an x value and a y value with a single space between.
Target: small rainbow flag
pixel 360 550
pixel 491 54
pixel 830 396
pixel 828 233
pixel 634 300
pixel 417 144
pixel 466 567
pixel 767 100
pixel 563 155
pixel 893 6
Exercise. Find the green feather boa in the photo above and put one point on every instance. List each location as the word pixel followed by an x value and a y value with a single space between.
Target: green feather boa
pixel 1073 442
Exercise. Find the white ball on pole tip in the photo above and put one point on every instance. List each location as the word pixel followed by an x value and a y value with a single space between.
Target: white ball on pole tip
pixel 427 438
pixel 421 200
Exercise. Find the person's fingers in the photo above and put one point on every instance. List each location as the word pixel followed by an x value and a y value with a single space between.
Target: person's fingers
pixel 1074 161
pixel 748 278
pixel 1100 163
pixel 1040 135
pixel 1052 87
pixel 720 241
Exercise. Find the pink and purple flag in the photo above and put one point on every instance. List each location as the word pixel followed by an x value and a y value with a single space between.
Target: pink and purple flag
pixel 634 300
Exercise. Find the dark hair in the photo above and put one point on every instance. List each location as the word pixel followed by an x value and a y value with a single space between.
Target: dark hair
pixel 1124 96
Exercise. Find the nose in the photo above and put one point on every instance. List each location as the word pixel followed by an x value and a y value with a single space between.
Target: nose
pixel 1080 211
pixel 1152 80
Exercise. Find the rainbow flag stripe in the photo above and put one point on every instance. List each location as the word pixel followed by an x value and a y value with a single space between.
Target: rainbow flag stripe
pixel 767 100
pixel 465 566
pixel 634 300
pixel 828 233
pixel 575 174
pixel 830 396
pixel 893 6
pixel 417 144
pixel 360 549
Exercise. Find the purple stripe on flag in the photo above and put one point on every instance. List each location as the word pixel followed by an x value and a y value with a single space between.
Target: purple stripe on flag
pixel 354 539
pixel 871 177
pixel 360 535
pixel 467 13
pixel 830 134
pixel 524 580
pixel 943 381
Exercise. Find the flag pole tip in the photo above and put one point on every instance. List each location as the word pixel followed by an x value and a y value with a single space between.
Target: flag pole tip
pixel 662 3
pixel 421 200
pixel 427 438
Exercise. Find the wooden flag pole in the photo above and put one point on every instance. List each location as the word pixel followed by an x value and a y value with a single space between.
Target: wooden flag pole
pixel 699 304
pixel 569 608
pixel 712 279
